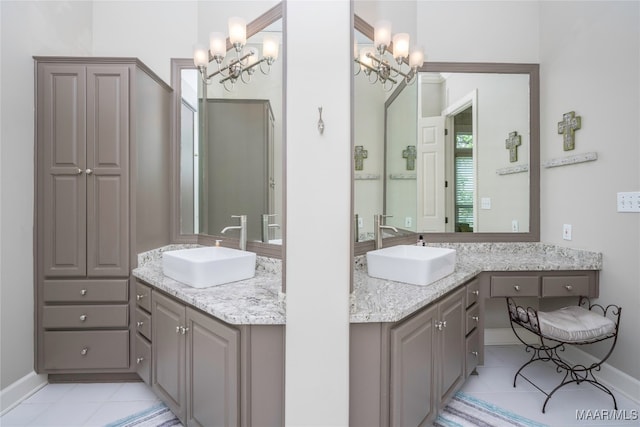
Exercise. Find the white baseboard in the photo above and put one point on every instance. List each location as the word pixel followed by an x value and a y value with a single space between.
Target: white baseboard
pixel 12 395
pixel 610 376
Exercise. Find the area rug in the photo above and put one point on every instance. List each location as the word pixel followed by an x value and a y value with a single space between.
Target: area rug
pixel 156 416
pixel 464 410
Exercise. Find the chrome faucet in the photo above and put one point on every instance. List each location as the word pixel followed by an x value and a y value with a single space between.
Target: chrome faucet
pixel 378 226
pixel 266 226
pixel 243 230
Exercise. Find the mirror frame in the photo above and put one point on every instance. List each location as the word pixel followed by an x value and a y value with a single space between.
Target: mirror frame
pixel 179 64
pixel 533 70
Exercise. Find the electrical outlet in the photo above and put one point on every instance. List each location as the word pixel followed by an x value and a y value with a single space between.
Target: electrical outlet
pixel 514 225
pixel 566 231
pixel 408 222
pixel 629 201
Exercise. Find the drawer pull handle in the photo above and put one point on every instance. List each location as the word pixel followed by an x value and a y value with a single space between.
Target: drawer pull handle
pixel 568 287
pixel 474 353
pixel 84 351
pixel 139 297
pixel 83 317
pixel 139 360
pixel 476 318
pixel 140 323
pixel 476 292
pixel 439 326
pixel 83 292
pixel 178 329
pixel 183 330
pixel 517 288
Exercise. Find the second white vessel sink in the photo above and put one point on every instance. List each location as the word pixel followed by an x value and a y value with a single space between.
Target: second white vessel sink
pixel 208 266
pixel 418 265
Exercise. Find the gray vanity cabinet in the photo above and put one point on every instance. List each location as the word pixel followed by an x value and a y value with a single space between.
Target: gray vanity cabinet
pixel 195 364
pixel 403 373
pixel 90 127
pixel 427 361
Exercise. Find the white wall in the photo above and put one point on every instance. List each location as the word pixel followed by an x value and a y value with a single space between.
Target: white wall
pixel 590 54
pixel 28 28
pixel 318 239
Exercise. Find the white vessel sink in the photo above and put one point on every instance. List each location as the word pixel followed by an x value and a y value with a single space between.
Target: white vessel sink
pixel 418 265
pixel 208 266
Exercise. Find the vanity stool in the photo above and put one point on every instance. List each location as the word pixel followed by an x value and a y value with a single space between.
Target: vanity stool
pixel 580 324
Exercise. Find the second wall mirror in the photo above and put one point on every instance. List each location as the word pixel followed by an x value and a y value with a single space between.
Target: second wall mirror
pixel 439 161
pixel 231 145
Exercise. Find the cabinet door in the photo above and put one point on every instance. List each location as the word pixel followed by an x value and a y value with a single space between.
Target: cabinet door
pixel 168 358
pixel 412 370
pixel 107 170
pixel 61 140
pixel 212 371
pixel 451 338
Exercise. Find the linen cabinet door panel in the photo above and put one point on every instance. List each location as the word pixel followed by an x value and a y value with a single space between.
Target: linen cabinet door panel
pixel 108 170
pixel 212 371
pixel 86 350
pixel 168 358
pixel 61 157
pixel 412 382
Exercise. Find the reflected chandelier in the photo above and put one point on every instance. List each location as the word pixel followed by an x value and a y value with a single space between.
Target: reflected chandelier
pixel 246 60
pixel 376 62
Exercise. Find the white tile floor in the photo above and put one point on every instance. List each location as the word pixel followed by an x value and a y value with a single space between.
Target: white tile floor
pixel 75 405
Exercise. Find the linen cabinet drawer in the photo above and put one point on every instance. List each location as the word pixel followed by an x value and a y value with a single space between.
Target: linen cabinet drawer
pixel 143 359
pixel 564 286
pixel 473 318
pixel 143 296
pixel 85 316
pixel 473 290
pixel 515 286
pixel 473 352
pixel 85 350
pixel 86 291
pixel 143 323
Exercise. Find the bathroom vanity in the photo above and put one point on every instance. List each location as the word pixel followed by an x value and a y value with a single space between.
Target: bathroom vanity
pixel 412 346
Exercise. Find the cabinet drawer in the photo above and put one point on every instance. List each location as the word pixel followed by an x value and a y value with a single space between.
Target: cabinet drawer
pixel 473 318
pixel 563 286
pixel 81 350
pixel 143 323
pixel 473 352
pixel 143 359
pixel 143 296
pixel 85 316
pixel 473 290
pixel 515 286
pixel 86 290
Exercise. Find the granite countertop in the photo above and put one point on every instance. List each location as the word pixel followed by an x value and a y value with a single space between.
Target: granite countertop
pixel 258 301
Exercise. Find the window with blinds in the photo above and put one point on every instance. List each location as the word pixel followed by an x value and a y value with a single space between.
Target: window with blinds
pixel 463 170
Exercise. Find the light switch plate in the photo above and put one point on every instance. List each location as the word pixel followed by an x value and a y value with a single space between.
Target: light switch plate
pixel 566 231
pixel 485 203
pixel 629 201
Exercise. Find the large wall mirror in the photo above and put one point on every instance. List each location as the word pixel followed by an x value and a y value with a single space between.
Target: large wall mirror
pixel 229 148
pixel 453 156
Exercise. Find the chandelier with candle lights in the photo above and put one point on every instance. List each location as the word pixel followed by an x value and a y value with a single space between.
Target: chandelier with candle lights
pixel 245 62
pixel 376 62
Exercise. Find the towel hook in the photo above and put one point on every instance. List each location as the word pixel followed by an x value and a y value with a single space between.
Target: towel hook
pixel 320 122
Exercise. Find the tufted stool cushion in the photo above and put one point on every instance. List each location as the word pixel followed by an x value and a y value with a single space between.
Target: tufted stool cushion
pixel 575 324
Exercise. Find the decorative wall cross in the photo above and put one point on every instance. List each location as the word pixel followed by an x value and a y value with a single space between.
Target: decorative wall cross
pixel 360 155
pixel 567 127
pixel 512 144
pixel 410 154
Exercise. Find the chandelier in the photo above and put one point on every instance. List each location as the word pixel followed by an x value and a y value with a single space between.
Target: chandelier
pixel 376 61
pixel 239 67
